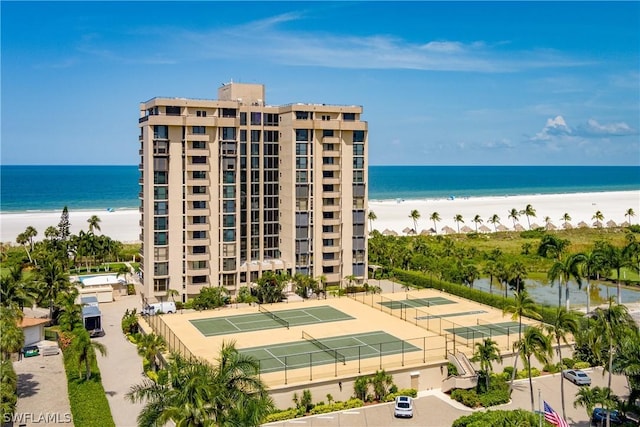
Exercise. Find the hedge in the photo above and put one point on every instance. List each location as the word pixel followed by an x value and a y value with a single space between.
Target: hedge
pixel 421 280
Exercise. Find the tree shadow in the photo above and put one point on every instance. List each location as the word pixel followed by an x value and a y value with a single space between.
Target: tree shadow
pixel 27 386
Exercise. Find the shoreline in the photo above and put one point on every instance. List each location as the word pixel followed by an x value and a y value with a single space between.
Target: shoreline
pixel 123 224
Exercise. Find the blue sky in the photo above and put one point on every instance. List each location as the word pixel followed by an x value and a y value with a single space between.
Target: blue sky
pixel 452 83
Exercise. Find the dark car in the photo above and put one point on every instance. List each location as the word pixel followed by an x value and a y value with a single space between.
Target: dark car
pixel 31 351
pixel 599 417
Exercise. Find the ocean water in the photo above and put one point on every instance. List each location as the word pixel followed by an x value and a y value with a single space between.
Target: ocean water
pixel 50 188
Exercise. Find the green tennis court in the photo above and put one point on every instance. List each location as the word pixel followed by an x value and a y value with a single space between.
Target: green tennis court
pixel 299 354
pixel 415 302
pixel 261 321
pixel 486 330
pixel 461 313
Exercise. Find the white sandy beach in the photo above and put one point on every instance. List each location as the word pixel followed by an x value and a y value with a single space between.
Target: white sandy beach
pixel 392 215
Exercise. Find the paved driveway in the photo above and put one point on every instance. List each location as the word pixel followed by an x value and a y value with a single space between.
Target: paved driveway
pixel 434 409
pixel 122 367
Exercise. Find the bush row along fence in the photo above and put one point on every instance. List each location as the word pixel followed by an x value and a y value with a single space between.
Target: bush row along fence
pixel 421 280
pixel 174 344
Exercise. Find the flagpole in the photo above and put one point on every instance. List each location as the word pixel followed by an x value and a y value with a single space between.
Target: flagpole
pixel 540 407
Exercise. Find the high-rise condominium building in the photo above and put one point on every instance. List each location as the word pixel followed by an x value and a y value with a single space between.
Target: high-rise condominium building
pixel 233 187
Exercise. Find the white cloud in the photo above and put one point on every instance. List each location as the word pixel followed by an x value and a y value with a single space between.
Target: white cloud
pixel 553 128
pixel 595 129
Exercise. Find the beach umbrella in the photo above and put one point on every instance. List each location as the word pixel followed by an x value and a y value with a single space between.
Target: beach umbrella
pixel 426 232
pixel 583 224
pixel 624 224
pixel 388 232
pixel 597 224
pixel 567 226
pixel 484 229
pixel 550 226
pixel 534 226
pixel 448 230
pixel 408 230
pixel 519 227
pixel 611 223
pixel 502 227
pixel 466 229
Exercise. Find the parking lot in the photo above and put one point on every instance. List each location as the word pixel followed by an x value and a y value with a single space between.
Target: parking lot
pixel 435 409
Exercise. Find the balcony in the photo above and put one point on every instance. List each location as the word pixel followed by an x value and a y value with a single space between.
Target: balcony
pixel 332 221
pixel 331 194
pixel 198 257
pixel 197 152
pixel 331 167
pixel 331 208
pixel 196 137
pixel 194 212
pixel 355 125
pixel 330 249
pixel 333 181
pixel 331 262
pixel 163 119
pixel 201 121
pixel 197 227
pixel 331 235
pixel 325 124
pixel 197 167
pixel 198 242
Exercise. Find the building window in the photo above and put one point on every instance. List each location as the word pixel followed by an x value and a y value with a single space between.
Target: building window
pixel 358 162
pixel 201 113
pixel 228 264
pixel 160 193
pixel 198 160
pixel 198 265
pixel 160 254
pixel 326 118
pixel 160 208
pixel 199 189
pixel 256 118
pixel 255 136
pixel 228 134
pixel 301 176
pixel 160 285
pixel 327 242
pixel 161 268
pixel 199 250
pixel 228 112
pixel 243 119
pixel 160 177
pixel 327 269
pixel 200 234
pixel 358 150
pixel 198 280
pixel 199 175
pixel 201 219
pixel 358 136
pixel 302 135
pixel 228 235
pixel 160 132
pixel 348 117
pixel 327 132
pixel 160 223
pixel 198 130
pixel 301 163
pixel 301 149
pixel 172 111
pixel 270 119
pixel 328 160
pixel 228 206
pixel 160 238
pixel 303 115
pixel 198 145
pixel 228 221
pixel 199 204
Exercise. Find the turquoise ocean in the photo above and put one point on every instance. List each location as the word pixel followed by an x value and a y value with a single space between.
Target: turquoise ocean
pixel 50 188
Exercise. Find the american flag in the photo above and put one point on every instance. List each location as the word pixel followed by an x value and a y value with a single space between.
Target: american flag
pixel 553 417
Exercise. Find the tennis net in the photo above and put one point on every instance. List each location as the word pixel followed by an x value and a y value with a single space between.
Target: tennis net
pixel 504 330
pixel 273 316
pixel 339 357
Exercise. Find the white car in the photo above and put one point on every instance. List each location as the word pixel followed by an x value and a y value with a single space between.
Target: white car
pixel 576 376
pixel 403 407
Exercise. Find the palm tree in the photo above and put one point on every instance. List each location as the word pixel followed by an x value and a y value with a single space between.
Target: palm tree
pixel 599 217
pixel 415 216
pixel 11 335
pixel 149 345
pixel 15 291
pixel 477 220
pixel 54 280
pixel 517 273
pixel 629 213
pixel 534 343
pixel 486 352
pixel 564 271
pixel 627 362
pixel 198 394
pixel 552 247
pixel 616 260
pixel 494 219
pixel 435 217
pixel 94 223
pixel 371 216
pixel 458 219
pixel 529 211
pixel 610 326
pixel 565 218
pixel 70 316
pixel 523 305
pixel 593 264
pixel 591 397
pixel 83 350
pixel 380 381
pixel 564 324
pixel 514 214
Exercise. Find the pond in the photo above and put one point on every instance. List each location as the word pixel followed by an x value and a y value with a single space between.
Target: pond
pixel 545 293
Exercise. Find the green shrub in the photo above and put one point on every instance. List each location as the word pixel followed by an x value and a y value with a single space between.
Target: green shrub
pixel 494 397
pixel 568 362
pixel 519 417
pixel 507 372
pixel 287 414
pixel 451 369
pixel 179 305
pixel 131 289
pixel 466 397
pixel 581 365
pixel 552 368
pixel 412 392
pixel 535 372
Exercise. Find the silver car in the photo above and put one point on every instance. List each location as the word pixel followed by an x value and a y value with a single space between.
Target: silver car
pixel 576 376
pixel 403 407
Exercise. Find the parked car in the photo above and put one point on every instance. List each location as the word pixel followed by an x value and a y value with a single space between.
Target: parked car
pixel 31 351
pixel 576 376
pixel 159 307
pixel 599 417
pixel 403 407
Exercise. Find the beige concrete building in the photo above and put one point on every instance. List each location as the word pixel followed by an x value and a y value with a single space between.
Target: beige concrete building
pixel 233 187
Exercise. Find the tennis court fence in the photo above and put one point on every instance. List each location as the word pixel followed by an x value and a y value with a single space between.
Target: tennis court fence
pixel 331 351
